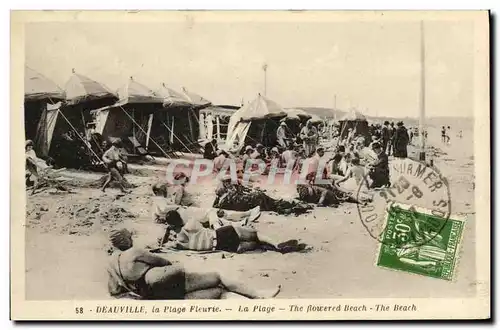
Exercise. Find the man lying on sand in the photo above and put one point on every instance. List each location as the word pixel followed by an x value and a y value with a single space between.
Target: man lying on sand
pixel 148 276
pixel 190 234
pixel 235 196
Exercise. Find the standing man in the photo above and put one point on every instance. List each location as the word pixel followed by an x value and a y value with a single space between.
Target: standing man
pixel 309 135
pixel 386 135
pixel 281 135
pixel 401 140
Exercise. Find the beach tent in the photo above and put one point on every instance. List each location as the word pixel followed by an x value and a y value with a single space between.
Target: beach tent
pixel 131 118
pixel 178 118
pixel 197 100
pixel 255 122
pixel 81 89
pixel 38 92
pixel 67 121
pixel 357 121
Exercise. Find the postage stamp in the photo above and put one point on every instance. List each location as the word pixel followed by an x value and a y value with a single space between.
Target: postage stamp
pixel 416 241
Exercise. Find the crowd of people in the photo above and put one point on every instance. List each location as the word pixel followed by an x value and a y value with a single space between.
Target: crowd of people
pixel 228 225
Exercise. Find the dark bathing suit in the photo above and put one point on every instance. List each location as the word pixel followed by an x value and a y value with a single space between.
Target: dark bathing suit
pixel 227 239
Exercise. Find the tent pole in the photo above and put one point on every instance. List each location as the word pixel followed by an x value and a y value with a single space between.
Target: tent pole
pixel 150 123
pixel 190 113
pixel 81 138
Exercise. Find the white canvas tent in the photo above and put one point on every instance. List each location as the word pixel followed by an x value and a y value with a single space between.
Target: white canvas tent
pixel 259 109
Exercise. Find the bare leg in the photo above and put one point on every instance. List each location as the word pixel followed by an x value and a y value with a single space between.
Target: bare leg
pixel 199 281
pixel 107 182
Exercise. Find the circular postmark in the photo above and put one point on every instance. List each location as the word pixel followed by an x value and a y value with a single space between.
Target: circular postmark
pixel 412 211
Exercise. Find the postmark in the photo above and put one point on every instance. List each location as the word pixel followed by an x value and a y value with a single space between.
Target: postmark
pixel 435 254
pixel 412 183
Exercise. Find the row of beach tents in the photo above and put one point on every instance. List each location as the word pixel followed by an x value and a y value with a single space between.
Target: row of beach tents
pixel 158 122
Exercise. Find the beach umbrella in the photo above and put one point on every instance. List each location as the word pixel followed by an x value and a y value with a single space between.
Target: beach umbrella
pixel 80 88
pixel 39 87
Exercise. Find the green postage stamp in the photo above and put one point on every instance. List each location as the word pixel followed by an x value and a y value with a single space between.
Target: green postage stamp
pixel 416 241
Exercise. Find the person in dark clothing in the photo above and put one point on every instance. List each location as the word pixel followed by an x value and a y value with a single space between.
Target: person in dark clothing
pixel 386 135
pixel 390 145
pixel 236 197
pixel 401 140
pixel 210 148
pixel 379 170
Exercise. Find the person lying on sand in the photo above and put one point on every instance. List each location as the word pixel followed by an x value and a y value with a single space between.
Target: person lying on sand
pixel 161 206
pixel 234 196
pixel 324 194
pixel 189 234
pixel 148 276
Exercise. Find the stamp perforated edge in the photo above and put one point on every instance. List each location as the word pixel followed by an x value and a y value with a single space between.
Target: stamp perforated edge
pixel 452 216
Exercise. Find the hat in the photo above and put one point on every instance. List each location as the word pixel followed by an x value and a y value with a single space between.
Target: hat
pixel 376 145
pixel 386 122
pixel 275 149
pixel 248 148
pixel 400 123
pixel 320 148
pixel 259 145
pixel 282 123
pixel 28 143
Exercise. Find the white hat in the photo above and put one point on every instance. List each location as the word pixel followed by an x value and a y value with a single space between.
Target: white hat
pixel 275 149
pixel 282 123
pixel 248 148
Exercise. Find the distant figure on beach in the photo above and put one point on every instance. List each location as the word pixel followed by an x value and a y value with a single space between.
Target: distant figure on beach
pixel 460 134
pixel 390 145
pixel 401 140
pixel 309 135
pixel 379 169
pixel 281 135
pixel 443 134
pixel 448 135
pixel 386 134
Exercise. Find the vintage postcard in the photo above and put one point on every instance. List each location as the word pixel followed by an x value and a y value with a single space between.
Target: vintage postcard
pixel 306 165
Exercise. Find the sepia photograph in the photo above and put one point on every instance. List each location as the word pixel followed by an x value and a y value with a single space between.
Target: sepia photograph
pixel 305 165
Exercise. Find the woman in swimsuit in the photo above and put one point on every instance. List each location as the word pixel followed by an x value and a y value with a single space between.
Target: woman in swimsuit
pixel 148 276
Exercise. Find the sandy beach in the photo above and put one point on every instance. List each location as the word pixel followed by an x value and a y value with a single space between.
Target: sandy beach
pixel 66 241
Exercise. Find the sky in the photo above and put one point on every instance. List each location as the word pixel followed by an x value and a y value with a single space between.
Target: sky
pixel 372 66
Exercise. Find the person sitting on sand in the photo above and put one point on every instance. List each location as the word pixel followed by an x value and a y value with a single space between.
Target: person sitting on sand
pixel 379 169
pixel 174 192
pixel 144 275
pixel 234 196
pixel 248 152
pixel 111 158
pixel 355 171
pixel 193 235
pixel 209 150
